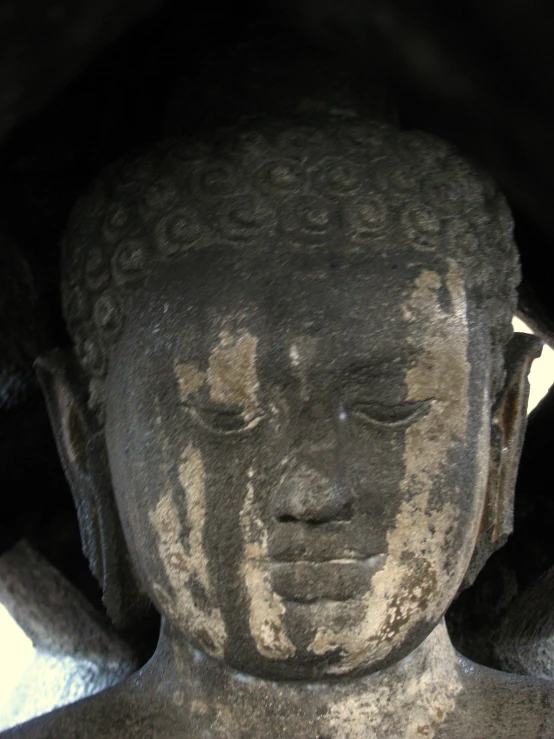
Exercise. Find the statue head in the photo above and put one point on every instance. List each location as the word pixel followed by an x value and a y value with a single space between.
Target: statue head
pixel 290 355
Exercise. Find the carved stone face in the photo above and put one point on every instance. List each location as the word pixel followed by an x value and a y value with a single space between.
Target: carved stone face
pixel 299 452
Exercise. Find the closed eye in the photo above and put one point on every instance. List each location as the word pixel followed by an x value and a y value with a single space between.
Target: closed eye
pixel 389 416
pixel 223 419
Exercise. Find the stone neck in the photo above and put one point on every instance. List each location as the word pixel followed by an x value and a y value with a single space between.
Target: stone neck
pixel 421 691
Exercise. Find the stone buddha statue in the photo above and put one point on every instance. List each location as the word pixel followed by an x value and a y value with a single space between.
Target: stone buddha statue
pixel 293 411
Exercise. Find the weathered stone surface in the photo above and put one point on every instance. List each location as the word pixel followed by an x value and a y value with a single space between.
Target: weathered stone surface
pixel 525 643
pixel 75 652
pixel 292 365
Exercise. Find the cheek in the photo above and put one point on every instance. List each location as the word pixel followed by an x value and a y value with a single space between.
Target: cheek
pixel 168 533
pixel 372 465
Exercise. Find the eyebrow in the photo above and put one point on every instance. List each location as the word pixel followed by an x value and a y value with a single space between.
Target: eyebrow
pixel 377 366
pixel 360 367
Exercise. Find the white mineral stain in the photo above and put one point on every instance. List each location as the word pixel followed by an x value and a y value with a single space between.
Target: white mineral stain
pixel 191 477
pixel 182 568
pixel 266 608
pixel 301 353
pixel 232 374
pixel 324 641
pixel 394 602
pixel 410 703
pixel 225 724
pixel 199 707
pixel 294 355
pixel 189 379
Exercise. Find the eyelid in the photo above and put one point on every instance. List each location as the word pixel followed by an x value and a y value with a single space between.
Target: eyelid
pixel 199 412
pixel 374 413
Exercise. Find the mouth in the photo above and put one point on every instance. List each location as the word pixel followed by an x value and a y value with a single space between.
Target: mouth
pixel 333 541
pixel 334 579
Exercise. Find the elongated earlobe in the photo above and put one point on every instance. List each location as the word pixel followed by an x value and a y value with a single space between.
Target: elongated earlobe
pixel 507 433
pixel 81 446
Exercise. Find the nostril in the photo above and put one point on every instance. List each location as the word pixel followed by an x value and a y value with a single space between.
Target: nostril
pixel 344 513
pixel 315 521
pixel 286 518
pixel 305 495
pixel 306 500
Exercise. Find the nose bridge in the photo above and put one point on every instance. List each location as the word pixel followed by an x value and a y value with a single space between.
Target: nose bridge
pixel 310 491
pixel 316 434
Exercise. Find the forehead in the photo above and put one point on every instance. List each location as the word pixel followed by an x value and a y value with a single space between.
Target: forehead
pixel 354 305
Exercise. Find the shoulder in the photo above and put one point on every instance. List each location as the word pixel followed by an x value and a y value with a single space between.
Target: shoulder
pixel 117 713
pixel 500 705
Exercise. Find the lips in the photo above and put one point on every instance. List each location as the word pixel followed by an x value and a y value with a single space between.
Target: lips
pixel 337 579
pixel 326 543
pixel 332 561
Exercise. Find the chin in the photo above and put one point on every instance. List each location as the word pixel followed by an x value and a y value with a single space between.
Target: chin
pixel 359 658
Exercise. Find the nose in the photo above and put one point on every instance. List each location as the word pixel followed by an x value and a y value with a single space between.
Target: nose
pixel 307 495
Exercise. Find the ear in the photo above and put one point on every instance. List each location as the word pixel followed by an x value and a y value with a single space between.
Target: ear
pixel 507 433
pixel 81 446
